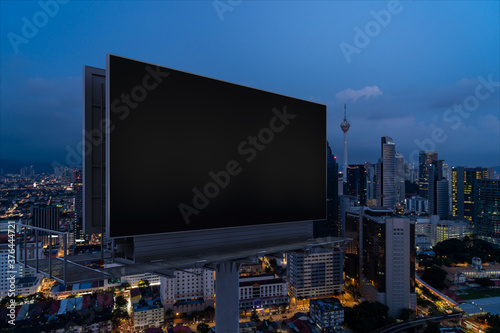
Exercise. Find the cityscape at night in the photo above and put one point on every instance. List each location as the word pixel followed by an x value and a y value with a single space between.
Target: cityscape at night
pixel 250 166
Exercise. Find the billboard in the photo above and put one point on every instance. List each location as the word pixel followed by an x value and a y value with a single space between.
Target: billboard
pixel 186 152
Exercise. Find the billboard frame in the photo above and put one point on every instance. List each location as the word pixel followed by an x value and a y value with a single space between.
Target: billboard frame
pixel 302 226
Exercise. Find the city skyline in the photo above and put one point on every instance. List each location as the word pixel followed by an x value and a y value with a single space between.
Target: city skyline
pixel 402 67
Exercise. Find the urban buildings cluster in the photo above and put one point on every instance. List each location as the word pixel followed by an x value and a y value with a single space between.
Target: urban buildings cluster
pixel 389 212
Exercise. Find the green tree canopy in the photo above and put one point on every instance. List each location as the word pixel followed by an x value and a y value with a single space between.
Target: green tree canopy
pixel 367 316
pixel 120 302
pixel 202 328
pixel 435 276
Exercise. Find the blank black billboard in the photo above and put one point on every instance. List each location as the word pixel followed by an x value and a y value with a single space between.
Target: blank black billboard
pixel 186 152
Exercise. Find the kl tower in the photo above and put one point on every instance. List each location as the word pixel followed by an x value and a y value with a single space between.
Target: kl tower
pixel 345 127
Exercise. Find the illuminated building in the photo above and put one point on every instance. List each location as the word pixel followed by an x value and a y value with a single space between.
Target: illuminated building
pixel 452 229
pixel 386 172
pixel 356 182
pixel 438 191
pixel 147 307
pixel 463 180
pixel 399 178
pixel 314 273
pixel 190 290
pixel 417 205
pixel 262 291
pixel 385 265
pixel 487 208
pixel 425 159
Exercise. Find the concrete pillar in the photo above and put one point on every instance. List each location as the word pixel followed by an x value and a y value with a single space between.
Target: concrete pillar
pixel 227 287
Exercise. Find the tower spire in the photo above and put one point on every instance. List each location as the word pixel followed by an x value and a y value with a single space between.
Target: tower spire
pixel 345 127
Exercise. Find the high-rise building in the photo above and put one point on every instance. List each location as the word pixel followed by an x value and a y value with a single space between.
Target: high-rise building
pixel 345 127
pixel 442 199
pixel 425 159
pixel 24 172
pixel 314 273
pixel 32 172
pixel 413 175
pixel 438 191
pixel 356 182
pixel 330 226
pixel 381 257
pixel 388 262
pixel 371 181
pixel 463 181
pixel 386 188
pixel 399 178
pixel 487 208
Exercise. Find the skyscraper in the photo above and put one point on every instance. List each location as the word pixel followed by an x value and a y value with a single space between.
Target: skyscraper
pixel 425 159
pixel 345 127
pixel 463 189
pixel 381 257
pixel 386 191
pixel 438 191
pixel 330 226
pixel 315 273
pixel 399 178
pixel 487 208
pixel 388 262
pixel 371 181
pixel 356 182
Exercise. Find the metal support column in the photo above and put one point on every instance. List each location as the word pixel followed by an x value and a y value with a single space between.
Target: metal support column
pixel 65 247
pixel 227 286
pixel 36 249
pixel 50 255
pixel 25 252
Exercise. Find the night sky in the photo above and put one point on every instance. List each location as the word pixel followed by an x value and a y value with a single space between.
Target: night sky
pixel 407 77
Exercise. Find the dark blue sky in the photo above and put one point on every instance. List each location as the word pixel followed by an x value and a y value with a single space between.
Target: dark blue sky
pixel 401 80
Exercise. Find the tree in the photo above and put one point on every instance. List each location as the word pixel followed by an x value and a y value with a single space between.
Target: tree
pixel 6 300
pixel 202 328
pixel 120 302
pixel 254 316
pixel 493 323
pixel 435 276
pixel 125 286
pixel 209 311
pixel 367 316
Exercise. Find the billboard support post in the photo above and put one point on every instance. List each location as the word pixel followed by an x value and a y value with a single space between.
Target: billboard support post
pixel 227 299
